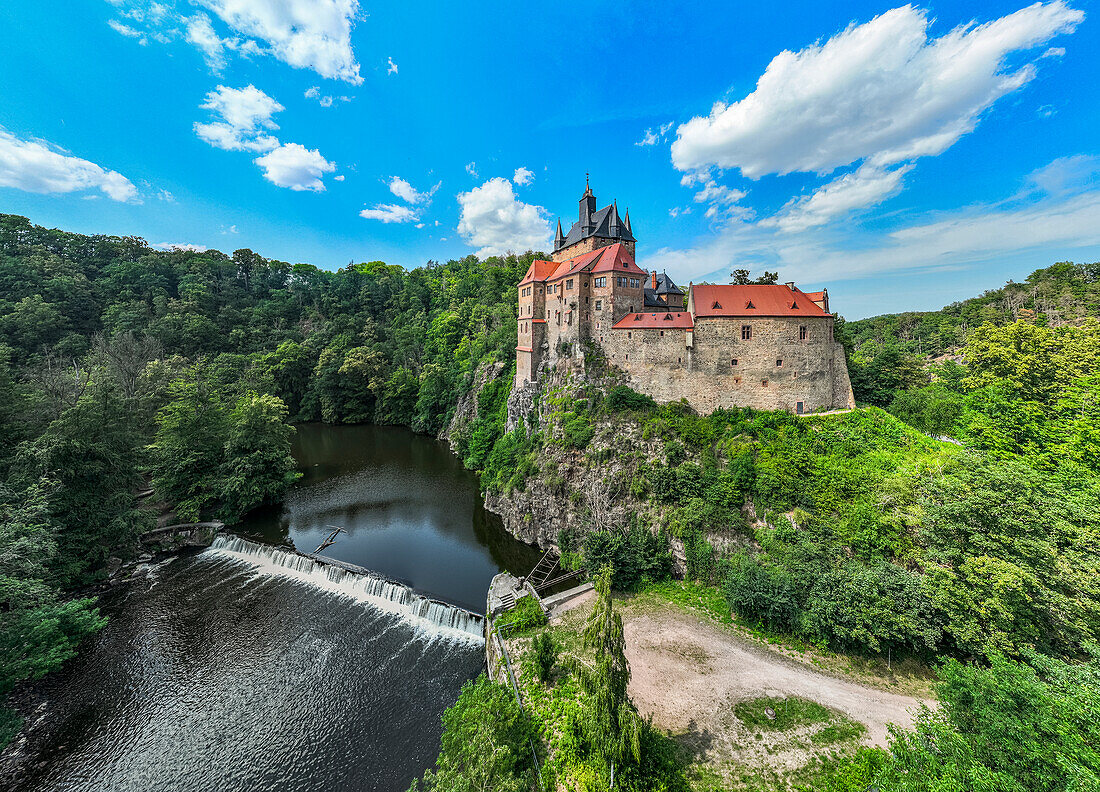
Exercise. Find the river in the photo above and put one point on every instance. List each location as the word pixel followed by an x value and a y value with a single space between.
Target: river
pixel 247 667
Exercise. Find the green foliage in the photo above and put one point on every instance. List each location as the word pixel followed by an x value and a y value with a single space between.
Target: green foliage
pixel 485 746
pixel 622 398
pixel 636 556
pixel 526 616
pixel 1010 726
pixel 545 654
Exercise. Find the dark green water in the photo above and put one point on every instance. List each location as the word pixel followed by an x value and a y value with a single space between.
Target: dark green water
pixel 242 669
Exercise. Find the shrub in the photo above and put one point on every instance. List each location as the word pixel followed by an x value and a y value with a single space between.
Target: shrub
pixel 527 615
pixel 622 398
pixel 544 653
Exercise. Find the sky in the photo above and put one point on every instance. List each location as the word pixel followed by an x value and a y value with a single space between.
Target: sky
pixel 904 157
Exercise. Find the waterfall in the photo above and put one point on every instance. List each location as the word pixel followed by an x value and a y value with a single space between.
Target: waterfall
pixel 348 581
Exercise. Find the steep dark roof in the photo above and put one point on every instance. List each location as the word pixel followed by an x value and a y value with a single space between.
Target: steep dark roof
pixel 650 299
pixel 601 219
pixel 666 286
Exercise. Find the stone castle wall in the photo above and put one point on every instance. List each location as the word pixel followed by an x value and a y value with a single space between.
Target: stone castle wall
pixel 774 370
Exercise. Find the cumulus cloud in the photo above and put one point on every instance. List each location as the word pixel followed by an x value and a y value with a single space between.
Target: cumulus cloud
pixel 868 186
pixel 523 176
pixel 323 99
pixel 389 213
pixel 1057 224
pixel 241 117
pixel 654 136
pixel 306 34
pixel 492 220
pixel 406 192
pixel 295 167
pixel 39 167
pixel 881 91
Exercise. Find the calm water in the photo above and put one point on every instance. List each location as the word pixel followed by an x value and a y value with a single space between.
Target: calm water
pixel 239 669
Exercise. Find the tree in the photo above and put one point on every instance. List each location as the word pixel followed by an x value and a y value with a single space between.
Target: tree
pixel 486 744
pixel 258 464
pixel 611 725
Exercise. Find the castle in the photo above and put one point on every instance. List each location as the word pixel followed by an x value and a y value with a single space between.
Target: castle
pixel 764 346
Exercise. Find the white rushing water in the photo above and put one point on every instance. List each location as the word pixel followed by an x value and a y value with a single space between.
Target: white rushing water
pixel 429 615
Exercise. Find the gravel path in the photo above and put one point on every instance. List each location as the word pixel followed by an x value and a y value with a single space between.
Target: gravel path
pixel 688 672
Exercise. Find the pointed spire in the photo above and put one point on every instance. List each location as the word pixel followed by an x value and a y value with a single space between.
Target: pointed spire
pixel 613 226
pixel 559 240
pixel 626 222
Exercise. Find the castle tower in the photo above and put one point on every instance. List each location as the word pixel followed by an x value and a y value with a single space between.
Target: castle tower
pixel 595 228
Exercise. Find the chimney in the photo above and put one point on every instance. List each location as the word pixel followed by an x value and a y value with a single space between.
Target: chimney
pixel 653 280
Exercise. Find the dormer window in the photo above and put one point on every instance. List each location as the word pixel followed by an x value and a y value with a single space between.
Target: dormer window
pixel 717 305
pixel 637 317
pixel 668 317
pixel 749 304
pixel 794 306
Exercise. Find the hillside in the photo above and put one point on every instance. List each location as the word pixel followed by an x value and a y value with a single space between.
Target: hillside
pixel 1062 293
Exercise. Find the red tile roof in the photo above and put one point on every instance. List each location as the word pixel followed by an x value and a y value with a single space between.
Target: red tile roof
pixel 666 320
pixel 613 257
pixel 752 300
pixel 815 296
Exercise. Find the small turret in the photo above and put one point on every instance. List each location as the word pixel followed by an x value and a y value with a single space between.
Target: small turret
pixel 615 224
pixel 588 208
pixel 559 240
pixel 626 222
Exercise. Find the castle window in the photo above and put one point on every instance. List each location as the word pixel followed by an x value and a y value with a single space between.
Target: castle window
pixel 799 407
pixel 764 383
pixel 746 332
pixel 733 362
pixel 736 380
pixel 628 335
pixel 679 360
pixel 802 333
pixel 599 305
pixel 586 301
pixel 569 284
pixel 624 265
pixel 779 363
pixel 662 332
pixel 600 282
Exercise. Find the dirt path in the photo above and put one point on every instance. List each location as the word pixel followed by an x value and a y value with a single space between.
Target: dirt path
pixel 688 672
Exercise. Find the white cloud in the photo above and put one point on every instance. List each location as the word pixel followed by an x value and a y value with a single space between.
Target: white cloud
pixel 654 136
pixel 295 167
pixel 867 186
pixel 166 196
pixel 37 166
pixel 391 68
pixel 200 32
pixel 471 168
pixel 406 192
pixel 1057 224
pixel 180 246
pixel 1066 174
pixel 495 222
pixel 338 178
pixel 678 211
pixel 523 176
pixel 881 91
pixel 390 213
pixel 127 31
pixel 230 229
pixel 243 114
pixel 324 100
pixel 306 34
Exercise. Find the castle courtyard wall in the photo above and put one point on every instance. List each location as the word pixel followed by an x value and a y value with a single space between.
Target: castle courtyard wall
pixel 774 370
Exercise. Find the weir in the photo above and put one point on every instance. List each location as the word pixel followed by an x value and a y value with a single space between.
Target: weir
pixel 356 583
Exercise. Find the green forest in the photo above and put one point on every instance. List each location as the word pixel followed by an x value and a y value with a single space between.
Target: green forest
pixel 123 369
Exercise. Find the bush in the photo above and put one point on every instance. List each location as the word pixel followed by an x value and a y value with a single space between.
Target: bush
pixel 635 557
pixel 576 431
pixel 762 594
pixel 622 398
pixel 527 615
pixel 545 654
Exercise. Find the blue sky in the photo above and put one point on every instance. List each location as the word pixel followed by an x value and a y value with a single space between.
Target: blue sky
pixel 903 156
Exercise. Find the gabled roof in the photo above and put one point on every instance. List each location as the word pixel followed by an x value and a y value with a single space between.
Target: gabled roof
pixel 612 257
pixel 538 271
pixel 665 320
pixel 766 300
pixel 650 299
pixel 815 296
